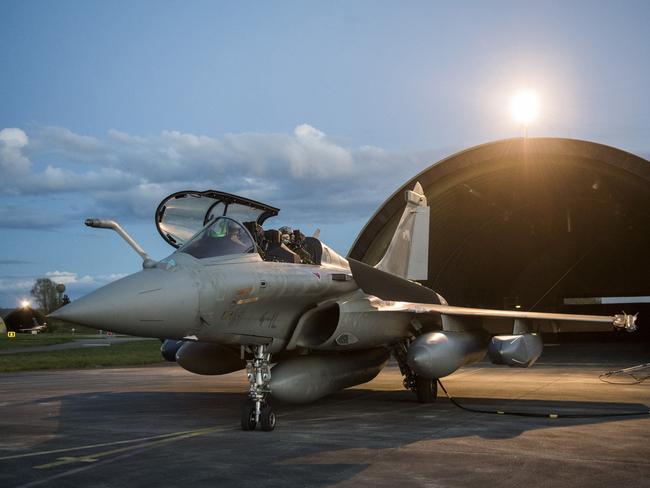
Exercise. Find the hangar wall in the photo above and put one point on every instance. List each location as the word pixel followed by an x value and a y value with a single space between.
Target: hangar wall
pixel 531 222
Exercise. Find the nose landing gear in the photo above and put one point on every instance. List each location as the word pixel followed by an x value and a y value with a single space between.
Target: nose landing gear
pixel 257 410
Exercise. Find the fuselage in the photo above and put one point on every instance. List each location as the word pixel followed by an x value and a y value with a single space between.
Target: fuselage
pixel 232 299
pixel 245 300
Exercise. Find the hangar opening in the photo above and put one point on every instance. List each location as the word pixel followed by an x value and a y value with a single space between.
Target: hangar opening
pixel 543 224
pixel 25 319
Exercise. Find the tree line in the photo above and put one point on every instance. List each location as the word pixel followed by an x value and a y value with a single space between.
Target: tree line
pixel 47 296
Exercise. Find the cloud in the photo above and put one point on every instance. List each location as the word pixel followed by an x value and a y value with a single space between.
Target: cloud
pixel 312 155
pixel 12 144
pixel 54 179
pixel 305 172
pixel 139 201
pixel 21 217
pixel 14 284
pixel 69 278
pixel 59 141
pixel 15 288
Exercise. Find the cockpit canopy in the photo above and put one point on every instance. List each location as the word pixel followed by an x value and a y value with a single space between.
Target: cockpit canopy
pixel 221 238
pixel 184 213
pixel 208 224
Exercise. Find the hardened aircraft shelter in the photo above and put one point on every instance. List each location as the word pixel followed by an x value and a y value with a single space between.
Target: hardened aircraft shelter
pixel 534 224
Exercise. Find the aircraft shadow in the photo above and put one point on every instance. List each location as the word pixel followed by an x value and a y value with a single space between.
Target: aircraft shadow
pixel 352 419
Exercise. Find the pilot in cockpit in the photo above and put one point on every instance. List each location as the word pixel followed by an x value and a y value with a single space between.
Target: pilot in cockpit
pixel 236 235
pixel 223 237
pixel 230 230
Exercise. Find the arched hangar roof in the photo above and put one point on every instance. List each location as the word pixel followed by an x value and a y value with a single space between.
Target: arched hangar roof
pixel 531 221
pixel 23 318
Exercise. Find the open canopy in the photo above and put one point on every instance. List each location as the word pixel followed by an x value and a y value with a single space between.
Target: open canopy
pixel 182 214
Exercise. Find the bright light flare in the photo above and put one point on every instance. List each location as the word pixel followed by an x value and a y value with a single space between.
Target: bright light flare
pixel 525 107
pixel 25 303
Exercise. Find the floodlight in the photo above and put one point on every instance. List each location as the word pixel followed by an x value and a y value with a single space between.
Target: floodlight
pixel 524 106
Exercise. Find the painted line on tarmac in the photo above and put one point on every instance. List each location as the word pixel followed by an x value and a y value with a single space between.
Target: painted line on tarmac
pixel 173 434
pixel 94 446
pixel 134 451
pixel 91 458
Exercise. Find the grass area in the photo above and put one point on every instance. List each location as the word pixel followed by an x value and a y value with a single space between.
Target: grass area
pixel 28 340
pixel 60 327
pixel 43 339
pixel 146 351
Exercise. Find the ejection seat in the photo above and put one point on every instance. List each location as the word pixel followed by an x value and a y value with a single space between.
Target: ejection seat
pixel 277 251
pixel 258 236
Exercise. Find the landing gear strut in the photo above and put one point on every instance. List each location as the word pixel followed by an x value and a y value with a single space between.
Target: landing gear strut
pixel 256 410
pixel 426 389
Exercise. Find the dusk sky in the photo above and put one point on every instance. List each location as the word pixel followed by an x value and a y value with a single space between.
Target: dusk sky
pixel 320 108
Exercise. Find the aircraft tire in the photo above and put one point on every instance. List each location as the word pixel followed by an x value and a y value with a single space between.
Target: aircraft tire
pixel 248 417
pixel 267 418
pixel 426 389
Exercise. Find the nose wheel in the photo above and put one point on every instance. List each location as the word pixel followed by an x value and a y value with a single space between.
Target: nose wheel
pixel 256 410
pixel 267 418
pixel 250 420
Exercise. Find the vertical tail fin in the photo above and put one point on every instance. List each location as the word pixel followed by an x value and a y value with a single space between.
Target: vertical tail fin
pixel 408 252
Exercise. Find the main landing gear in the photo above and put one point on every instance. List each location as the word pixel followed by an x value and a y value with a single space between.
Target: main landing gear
pixel 257 410
pixel 426 389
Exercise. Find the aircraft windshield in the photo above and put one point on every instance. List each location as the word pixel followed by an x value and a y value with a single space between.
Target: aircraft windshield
pixel 221 238
pixel 182 214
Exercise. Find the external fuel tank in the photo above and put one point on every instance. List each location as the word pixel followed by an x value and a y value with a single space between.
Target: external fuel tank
pixel 438 354
pixel 304 379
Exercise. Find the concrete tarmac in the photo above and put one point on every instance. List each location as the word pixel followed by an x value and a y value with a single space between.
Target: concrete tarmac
pixel 162 426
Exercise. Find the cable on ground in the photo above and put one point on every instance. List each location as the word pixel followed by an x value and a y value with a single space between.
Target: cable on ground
pixel 632 372
pixel 550 415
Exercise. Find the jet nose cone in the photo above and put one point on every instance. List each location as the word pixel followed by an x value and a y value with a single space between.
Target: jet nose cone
pixel 152 302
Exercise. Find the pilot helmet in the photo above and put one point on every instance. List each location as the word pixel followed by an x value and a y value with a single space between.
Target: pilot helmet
pixel 287 234
pixel 219 228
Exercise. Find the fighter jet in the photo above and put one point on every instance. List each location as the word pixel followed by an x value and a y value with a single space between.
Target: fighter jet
pixel 302 320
